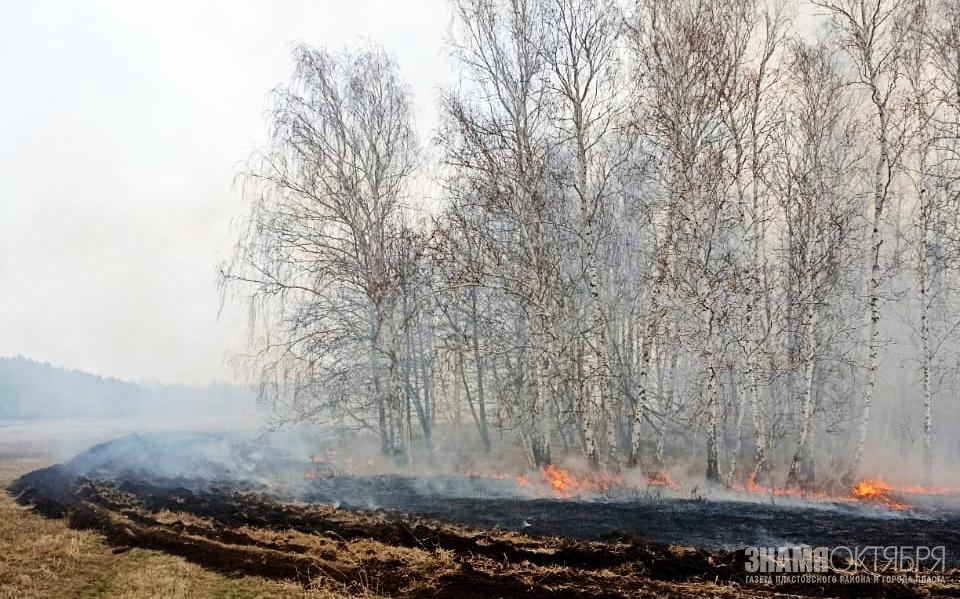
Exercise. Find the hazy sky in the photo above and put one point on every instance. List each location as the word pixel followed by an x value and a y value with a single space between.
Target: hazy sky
pixel 121 127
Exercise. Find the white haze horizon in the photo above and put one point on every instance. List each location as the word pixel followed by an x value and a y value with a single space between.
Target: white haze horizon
pixel 124 127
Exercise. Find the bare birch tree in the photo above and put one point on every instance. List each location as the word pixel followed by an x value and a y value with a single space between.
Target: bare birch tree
pixel 872 33
pixel 320 257
pixel 499 142
pixel 584 57
pixel 820 212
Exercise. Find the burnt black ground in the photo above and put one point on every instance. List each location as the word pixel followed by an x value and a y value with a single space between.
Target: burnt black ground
pixel 708 525
pixel 196 463
pixel 659 519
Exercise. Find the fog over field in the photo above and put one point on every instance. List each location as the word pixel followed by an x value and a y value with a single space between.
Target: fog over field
pixel 123 126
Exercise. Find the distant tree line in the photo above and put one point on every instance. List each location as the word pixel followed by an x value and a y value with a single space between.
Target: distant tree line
pixel 31 390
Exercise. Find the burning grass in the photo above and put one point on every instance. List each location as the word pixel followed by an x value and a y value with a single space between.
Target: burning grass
pixel 390 554
pixel 867 491
pixel 566 482
pixel 480 530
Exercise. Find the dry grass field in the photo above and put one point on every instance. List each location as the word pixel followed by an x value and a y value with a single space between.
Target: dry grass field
pixel 41 558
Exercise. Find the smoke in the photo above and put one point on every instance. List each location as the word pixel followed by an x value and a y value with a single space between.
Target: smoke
pixel 274 464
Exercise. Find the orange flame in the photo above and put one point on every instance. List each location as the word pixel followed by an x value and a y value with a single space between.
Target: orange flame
pixel 874 491
pixel 879 490
pixel 566 484
pixel 552 479
pixel 559 479
pixel 661 479
pixel 868 486
pixel 870 489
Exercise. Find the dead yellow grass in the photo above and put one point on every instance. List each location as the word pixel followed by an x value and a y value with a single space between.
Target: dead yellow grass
pixel 44 558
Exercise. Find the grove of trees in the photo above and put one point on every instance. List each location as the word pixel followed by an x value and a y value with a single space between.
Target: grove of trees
pixel 723 234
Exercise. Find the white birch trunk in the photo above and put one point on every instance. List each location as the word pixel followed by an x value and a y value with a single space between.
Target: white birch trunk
pixel 799 473
pixel 925 357
pixel 738 439
pixel 873 341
